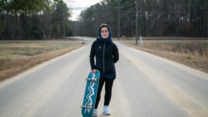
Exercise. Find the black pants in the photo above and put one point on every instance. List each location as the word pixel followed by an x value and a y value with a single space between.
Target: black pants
pixel 108 89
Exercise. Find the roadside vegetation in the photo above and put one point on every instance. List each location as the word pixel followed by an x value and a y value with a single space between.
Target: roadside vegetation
pixel 35 19
pixel 18 57
pixel 160 38
pixel 170 18
pixel 191 53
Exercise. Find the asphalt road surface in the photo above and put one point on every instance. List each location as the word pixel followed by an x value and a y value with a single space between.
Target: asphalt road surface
pixel 146 86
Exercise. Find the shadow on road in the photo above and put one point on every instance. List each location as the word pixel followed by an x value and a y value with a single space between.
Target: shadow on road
pixel 104 115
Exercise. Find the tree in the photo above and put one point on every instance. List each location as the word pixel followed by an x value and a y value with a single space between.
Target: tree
pixel 23 19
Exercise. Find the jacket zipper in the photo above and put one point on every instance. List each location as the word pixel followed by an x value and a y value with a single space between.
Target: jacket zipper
pixel 104 59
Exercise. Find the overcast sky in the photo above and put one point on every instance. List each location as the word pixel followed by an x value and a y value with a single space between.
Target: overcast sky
pixel 79 5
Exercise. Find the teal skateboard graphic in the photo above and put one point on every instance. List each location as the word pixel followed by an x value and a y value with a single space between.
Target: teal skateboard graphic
pixel 90 94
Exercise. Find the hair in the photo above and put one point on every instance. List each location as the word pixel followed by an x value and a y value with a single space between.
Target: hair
pixel 104 25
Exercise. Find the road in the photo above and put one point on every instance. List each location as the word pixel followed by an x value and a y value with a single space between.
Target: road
pixel 146 86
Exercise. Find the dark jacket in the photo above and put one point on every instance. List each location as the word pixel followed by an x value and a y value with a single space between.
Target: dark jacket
pixel 106 55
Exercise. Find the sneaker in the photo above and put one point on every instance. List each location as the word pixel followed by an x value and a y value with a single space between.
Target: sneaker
pixel 95 113
pixel 106 110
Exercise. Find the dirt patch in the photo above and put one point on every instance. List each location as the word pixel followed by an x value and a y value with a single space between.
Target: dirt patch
pixel 196 62
pixel 15 67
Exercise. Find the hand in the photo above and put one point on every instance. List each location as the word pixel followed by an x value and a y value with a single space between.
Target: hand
pixel 94 71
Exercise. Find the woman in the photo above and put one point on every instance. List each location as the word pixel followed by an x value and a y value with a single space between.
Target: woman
pixel 107 55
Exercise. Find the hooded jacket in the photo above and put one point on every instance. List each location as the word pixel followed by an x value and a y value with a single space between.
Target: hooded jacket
pixel 106 54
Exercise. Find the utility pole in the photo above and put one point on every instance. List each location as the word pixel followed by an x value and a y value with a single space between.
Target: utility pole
pixel 207 18
pixel 136 21
pixel 118 19
pixel 63 27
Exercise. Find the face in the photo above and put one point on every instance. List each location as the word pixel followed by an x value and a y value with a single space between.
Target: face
pixel 104 32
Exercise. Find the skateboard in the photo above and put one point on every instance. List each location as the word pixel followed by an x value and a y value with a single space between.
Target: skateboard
pixel 90 94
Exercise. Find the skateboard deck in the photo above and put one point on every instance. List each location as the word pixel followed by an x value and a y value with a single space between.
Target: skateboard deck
pixel 90 94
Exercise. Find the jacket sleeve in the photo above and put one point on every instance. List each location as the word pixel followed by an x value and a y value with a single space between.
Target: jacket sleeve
pixel 92 55
pixel 115 54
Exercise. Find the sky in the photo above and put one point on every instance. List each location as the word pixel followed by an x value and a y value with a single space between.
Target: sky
pixel 79 5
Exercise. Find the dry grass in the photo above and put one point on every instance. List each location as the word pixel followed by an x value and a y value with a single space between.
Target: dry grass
pixel 162 38
pixel 68 39
pixel 15 66
pixel 167 47
pixel 194 61
pixel 196 48
pixel 205 53
pixel 147 45
pixel 15 51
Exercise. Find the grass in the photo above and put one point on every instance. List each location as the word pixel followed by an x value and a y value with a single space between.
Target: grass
pixel 162 38
pixel 12 64
pixel 70 39
pixel 196 48
pixel 194 55
pixel 11 51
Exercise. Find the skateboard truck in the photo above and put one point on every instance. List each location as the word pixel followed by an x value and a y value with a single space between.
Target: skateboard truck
pixel 91 79
pixel 87 107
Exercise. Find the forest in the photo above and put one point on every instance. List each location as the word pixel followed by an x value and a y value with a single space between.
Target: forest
pixel 184 18
pixel 49 19
pixel 34 19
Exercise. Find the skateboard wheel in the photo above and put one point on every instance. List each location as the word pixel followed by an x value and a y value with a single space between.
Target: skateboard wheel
pixel 90 107
pixel 81 106
pixel 95 79
pixel 86 79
